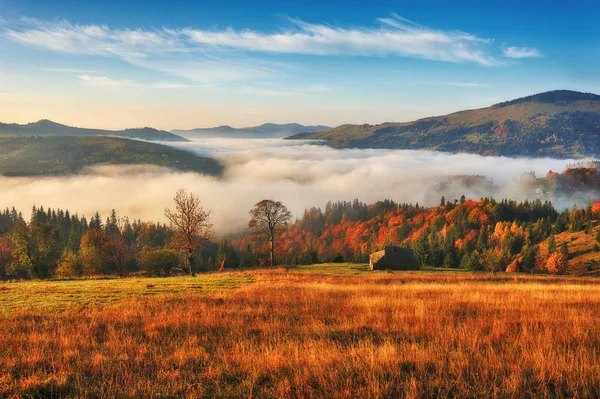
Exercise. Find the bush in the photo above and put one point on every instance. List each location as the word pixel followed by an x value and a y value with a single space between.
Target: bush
pixel 556 263
pixel 69 265
pixel 160 262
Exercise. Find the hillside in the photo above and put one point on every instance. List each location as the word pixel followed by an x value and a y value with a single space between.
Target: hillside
pixel 264 131
pixel 470 234
pixel 49 128
pixel 56 155
pixel 558 124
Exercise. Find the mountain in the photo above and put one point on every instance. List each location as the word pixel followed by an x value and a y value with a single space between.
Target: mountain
pixel 558 123
pixel 49 128
pixel 59 155
pixel 264 131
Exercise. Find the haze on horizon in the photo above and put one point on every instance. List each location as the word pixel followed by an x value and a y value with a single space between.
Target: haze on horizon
pixel 117 65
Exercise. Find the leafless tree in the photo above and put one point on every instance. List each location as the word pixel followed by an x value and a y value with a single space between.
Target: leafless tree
pixel 267 217
pixel 192 222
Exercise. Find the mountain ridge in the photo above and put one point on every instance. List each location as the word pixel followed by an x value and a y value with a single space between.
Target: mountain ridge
pixel 46 127
pixel 558 123
pixel 266 130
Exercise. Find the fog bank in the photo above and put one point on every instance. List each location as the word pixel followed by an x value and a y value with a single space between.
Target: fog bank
pixel 300 175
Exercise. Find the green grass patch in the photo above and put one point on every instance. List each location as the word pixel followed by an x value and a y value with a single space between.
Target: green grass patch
pixel 66 294
pixel 335 268
pixel 342 269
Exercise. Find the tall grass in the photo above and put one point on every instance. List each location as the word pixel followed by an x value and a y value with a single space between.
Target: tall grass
pixel 316 335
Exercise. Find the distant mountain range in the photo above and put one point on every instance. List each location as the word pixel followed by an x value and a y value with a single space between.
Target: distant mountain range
pixel 559 123
pixel 61 155
pixel 264 131
pixel 49 128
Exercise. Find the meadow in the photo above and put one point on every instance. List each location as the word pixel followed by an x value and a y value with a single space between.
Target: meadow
pixel 332 330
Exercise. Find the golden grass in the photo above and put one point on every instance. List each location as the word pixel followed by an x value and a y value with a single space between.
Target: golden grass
pixel 302 334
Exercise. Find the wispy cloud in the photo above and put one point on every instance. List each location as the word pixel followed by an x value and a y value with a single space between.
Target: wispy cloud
pixel 104 82
pixel 164 50
pixel 452 84
pixel 212 56
pixel 292 91
pixel 522 52
pixel 69 70
pixel 393 36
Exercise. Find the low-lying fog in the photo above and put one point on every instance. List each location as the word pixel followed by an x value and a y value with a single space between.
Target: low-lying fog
pixel 300 175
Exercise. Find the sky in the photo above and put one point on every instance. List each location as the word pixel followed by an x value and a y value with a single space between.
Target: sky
pixel 183 64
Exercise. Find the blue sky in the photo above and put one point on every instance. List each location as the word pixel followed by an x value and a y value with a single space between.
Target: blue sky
pixel 117 64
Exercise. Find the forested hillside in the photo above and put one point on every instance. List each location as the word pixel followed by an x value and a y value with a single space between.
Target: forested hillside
pixel 56 155
pixel 560 123
pixel 471 234
pixel 49 128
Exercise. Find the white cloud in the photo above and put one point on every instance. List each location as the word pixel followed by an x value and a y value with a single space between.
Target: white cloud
pixel 227 55
pixel 69 70
pixel 522 52
pixel 104 82
pixel 391 36
pixel 292 91
pixel 452 84
pixel 164 50
pixel 394 36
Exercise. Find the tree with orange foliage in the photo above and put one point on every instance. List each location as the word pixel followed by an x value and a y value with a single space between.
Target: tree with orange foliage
pixel 267 217
pixel 596 210
pixel 556 263
pixel 193 225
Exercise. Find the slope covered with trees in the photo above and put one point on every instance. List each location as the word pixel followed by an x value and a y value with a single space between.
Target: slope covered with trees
pixel 471 234
pixel 482 234
pixel 55 155
pixel 560 123
pixel 48 128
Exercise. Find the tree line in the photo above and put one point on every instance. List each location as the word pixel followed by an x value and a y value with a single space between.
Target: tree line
pixel 55 243
pixel 470 234
pixel 482 234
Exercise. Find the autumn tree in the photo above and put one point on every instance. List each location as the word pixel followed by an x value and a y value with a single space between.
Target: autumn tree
pixel 556 263
pixel 192 222
pixel 7 258
pixel 268 217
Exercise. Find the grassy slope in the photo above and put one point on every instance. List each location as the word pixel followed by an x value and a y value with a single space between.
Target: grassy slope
pixel 582 249
pixel 55 155
pixel 562 129
pixel 418 334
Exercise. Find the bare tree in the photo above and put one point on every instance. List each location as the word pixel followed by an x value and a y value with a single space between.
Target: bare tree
pixel 267 217
pixel 192 222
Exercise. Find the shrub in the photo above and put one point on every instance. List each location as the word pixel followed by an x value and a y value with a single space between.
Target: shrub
pixel 69 265
pixel 556 263
pixel 160 262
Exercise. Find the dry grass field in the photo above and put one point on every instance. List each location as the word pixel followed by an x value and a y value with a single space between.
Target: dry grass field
pixel 320 331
